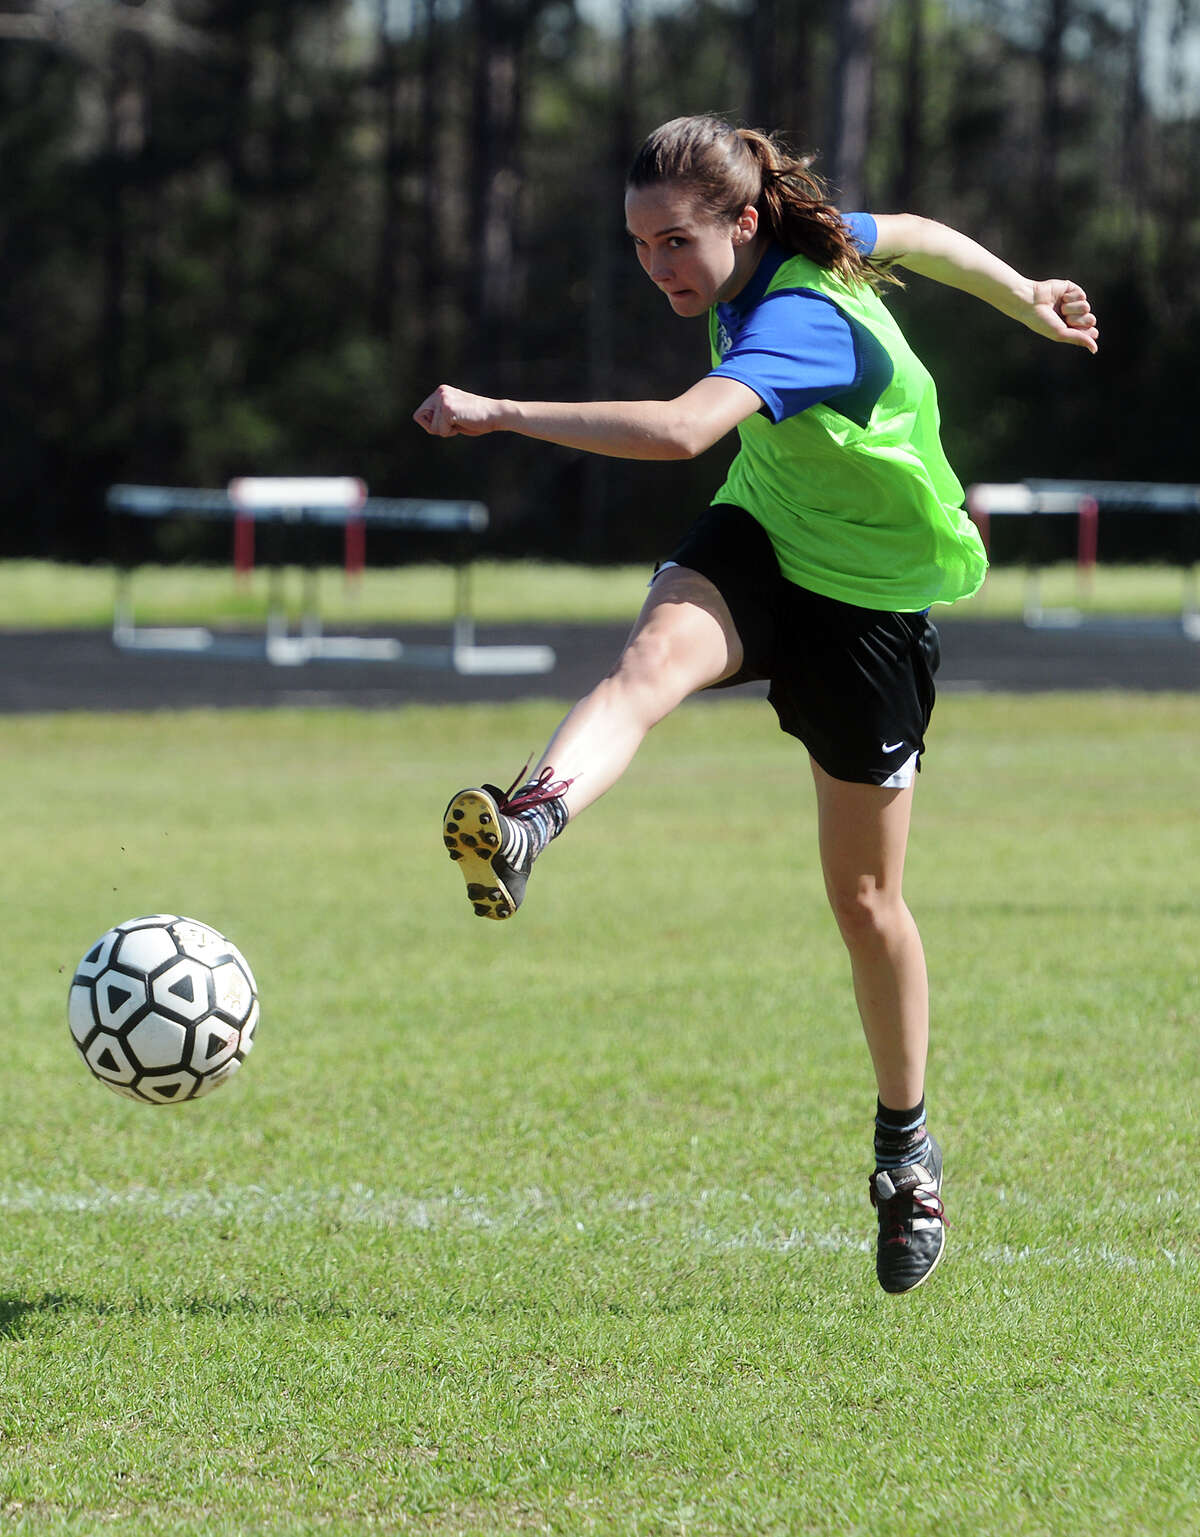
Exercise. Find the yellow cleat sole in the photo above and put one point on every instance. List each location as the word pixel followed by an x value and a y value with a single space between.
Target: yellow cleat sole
pixel 471 832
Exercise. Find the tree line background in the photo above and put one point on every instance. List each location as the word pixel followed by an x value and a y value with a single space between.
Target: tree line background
pixel 249 236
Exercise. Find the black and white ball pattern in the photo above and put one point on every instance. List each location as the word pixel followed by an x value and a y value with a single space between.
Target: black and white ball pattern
pixel 163 1009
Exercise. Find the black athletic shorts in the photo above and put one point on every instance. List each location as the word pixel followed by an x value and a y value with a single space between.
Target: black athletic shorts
pixel 855 685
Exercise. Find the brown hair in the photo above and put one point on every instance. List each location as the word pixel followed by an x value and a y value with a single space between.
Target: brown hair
pixel 728 168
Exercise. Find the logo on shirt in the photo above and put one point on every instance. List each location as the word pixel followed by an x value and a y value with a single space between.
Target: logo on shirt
pixel 724 340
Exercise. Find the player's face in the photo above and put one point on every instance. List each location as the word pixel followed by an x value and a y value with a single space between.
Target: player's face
pixel 694 259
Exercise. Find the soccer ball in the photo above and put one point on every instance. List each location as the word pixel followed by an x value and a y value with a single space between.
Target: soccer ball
pixel 163 1009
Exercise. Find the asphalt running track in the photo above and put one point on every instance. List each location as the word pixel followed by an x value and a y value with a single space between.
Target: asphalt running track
pixel 48 671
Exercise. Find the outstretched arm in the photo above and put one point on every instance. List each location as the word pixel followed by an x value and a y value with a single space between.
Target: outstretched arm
pixel 623 429
pixel 1053 307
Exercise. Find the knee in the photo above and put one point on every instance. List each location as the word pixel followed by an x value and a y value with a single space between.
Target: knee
pixel 866 915
pixel 649 655
pixel 655 666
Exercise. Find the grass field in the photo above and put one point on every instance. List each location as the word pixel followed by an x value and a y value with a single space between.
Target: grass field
pixel 40 594
pixel 561 1225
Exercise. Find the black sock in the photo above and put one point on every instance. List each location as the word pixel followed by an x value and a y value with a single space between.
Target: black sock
pixel 900 1135
pixel 532 829
pixel 545 821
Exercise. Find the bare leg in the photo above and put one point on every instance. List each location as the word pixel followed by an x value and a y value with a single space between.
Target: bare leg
pixel 684 639
pixel 863 832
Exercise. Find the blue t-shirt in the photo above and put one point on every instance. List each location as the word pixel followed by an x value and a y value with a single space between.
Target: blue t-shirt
pixel 797 348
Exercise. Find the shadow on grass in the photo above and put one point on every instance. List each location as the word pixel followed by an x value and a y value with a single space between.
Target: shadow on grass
pixel 20 1316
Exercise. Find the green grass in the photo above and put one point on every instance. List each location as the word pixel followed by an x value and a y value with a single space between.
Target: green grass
pixel 41 594
pixel 561 1225
pixel 38 594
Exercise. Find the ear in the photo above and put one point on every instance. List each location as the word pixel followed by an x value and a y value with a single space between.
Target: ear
pixel 746 227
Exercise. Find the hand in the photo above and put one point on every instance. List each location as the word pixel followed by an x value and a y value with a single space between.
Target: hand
pixel 1061 312
pixel 449 413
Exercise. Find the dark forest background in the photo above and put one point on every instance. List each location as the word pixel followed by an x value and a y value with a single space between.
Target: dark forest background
pixel 248 236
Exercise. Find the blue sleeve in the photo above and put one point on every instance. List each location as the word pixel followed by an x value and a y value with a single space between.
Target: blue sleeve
pixel 863 231
pixel 794 349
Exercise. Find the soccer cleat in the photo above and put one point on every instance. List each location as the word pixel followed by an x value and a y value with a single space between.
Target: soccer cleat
pixel 484 833
pixel 912 1222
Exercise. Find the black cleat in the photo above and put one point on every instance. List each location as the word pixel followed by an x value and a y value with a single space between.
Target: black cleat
pixel 483 832
pixel 912 1222
pixel 474 829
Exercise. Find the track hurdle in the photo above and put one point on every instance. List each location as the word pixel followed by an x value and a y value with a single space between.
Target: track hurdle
pixel 1085 500
pixel 306 504
pixel 275 495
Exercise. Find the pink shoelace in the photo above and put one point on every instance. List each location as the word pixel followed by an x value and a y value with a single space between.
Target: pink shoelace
pixel 535 792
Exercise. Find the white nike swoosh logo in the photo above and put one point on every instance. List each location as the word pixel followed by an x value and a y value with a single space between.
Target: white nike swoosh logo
pixel 892 746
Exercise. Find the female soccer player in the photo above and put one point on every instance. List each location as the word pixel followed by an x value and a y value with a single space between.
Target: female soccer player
pixel 839 524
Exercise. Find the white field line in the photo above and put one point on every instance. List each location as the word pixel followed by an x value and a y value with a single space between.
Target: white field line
pixel 712 1219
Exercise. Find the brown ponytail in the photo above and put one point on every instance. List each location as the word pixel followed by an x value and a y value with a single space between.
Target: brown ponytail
pixel 728 168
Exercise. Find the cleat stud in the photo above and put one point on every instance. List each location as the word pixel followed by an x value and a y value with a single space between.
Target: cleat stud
pixel 455 853
pixel 484 854
pixel 480 910
pixel 485 816
pixel 468 840
pixel 458 813
pixel 491 839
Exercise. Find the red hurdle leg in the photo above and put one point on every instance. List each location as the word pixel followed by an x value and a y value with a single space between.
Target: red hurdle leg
pixel 1089 538
pixel 243 544
pixel 356 548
